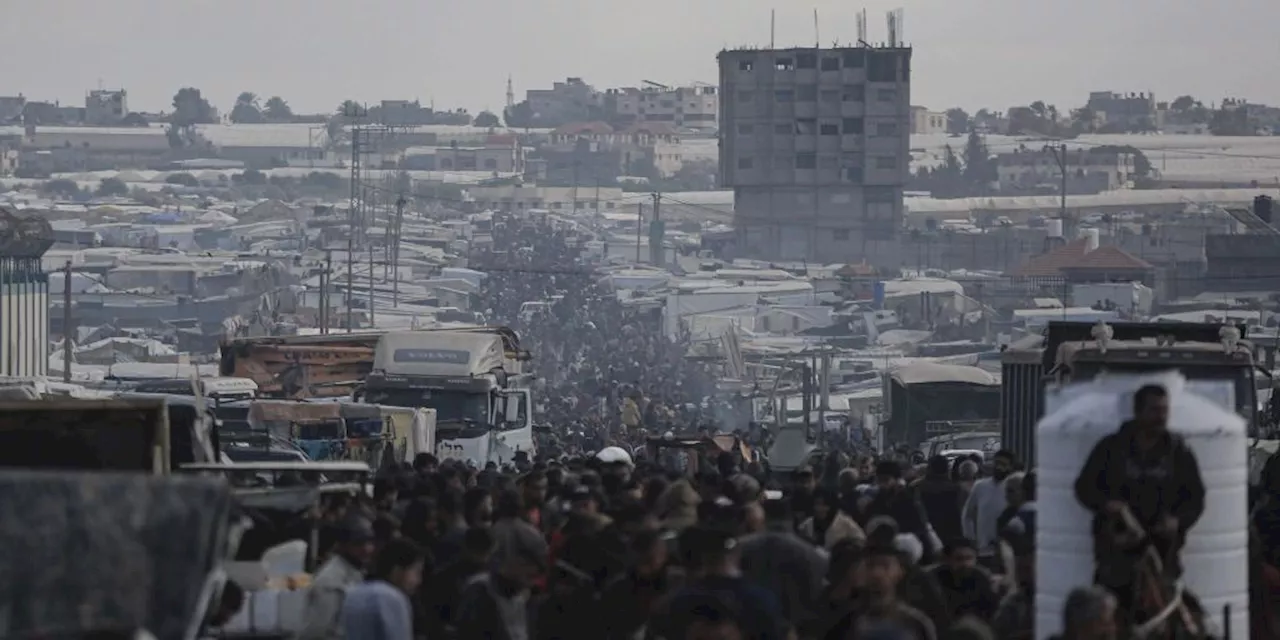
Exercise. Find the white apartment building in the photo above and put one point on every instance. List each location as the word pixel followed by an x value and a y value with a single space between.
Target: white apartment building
pixel 926 122
pixel 692 107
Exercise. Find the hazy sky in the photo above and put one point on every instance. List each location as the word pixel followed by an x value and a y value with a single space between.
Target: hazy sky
pixel 315 53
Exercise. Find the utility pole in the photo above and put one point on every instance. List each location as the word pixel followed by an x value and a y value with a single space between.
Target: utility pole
pixel 368 193
pixel 326 279
pixel 351 218
pixel 395 252
pixel 575 186
pixel 1059 153
pixel 639 228
pixel 656 232
pixel 67 339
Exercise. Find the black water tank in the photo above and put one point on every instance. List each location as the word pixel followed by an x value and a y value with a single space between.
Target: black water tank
pixel 1262 208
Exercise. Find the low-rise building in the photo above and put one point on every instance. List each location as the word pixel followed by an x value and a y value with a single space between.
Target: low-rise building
pixel 519 197
pixel 594 152
pixel 1124 112
pixel 694 107
pixel 500 154
pixel 105 108
pixel 926 122
pixel 1027 172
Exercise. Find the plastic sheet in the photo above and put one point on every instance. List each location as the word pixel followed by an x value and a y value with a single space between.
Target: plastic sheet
pixel 107 552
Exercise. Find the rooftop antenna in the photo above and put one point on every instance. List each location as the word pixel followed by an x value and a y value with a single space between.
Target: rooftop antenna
pixel 893 30
pixel 862 27
pixel 773 24
pixel 900 21
pixel 817 40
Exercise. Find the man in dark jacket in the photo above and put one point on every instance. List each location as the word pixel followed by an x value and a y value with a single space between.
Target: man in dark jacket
pixel 892 499
pixel 941 499
pixel 1148 472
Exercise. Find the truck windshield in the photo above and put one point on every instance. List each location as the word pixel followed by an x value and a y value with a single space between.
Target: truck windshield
pixel 453 406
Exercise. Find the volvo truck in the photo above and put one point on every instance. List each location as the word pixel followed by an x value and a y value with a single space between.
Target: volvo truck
pixel 474 379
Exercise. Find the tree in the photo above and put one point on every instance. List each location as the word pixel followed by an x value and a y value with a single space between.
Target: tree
pixel 350 109
pixel 486 119
pixel 1084 119
pixel 1183 104
pixel 190 108
pixel 957 121
pixel 183 179
pixel 519 116
pixel 61 187
pixel 247 110
pixel 112 187
pixel 277 110
pixel 979 170
pixel 250 177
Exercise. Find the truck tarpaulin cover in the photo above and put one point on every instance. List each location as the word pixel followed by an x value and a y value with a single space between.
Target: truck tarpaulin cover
pixel 106 552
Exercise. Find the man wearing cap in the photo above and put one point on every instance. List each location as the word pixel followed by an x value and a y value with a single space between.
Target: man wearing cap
pixel 496 605
pixel 344 569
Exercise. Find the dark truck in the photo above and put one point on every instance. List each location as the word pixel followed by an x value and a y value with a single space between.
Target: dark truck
pixel 152 435
pixel 1071 351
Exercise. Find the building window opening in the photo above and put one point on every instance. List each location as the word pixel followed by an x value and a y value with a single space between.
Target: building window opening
pixel 854 93
pixel 840 234
pixel 784 95
pixel 852 126
pixel 806 61
pixel 830 63
pixel 784 64
pixel 830 130
pixel 746 65
pixel 806 161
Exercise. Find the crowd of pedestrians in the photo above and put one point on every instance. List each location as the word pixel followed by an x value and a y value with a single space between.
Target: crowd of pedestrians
pixel 583 548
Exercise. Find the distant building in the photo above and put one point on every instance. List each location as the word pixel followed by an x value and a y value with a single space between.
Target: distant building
pixel 695 107
pixel 587 153
pixel 926 122
pixel 515 197
pixel 412 113
pixel 815 145
pixel 105 108
pixel 1030 172
pixel 570 101
pixel 500 154
pixel 1124 112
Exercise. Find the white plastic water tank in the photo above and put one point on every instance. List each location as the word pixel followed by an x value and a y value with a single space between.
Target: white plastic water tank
pixel 1053 227
pixel 1090 239
pixel 1215 558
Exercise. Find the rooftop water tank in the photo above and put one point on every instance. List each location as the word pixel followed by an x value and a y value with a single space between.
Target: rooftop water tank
pixel 1215 558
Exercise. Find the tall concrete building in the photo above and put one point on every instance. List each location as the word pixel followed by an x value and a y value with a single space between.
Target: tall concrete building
pixel 815 144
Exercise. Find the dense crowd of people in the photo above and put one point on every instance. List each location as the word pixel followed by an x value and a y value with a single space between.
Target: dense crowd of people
pixel 589 548
pixel 588 541
pixel 606 369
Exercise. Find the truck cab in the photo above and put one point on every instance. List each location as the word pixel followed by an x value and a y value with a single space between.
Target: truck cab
pixel 473 381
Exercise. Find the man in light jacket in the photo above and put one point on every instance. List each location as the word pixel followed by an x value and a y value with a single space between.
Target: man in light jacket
pixel 323 618
pixel 986 502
